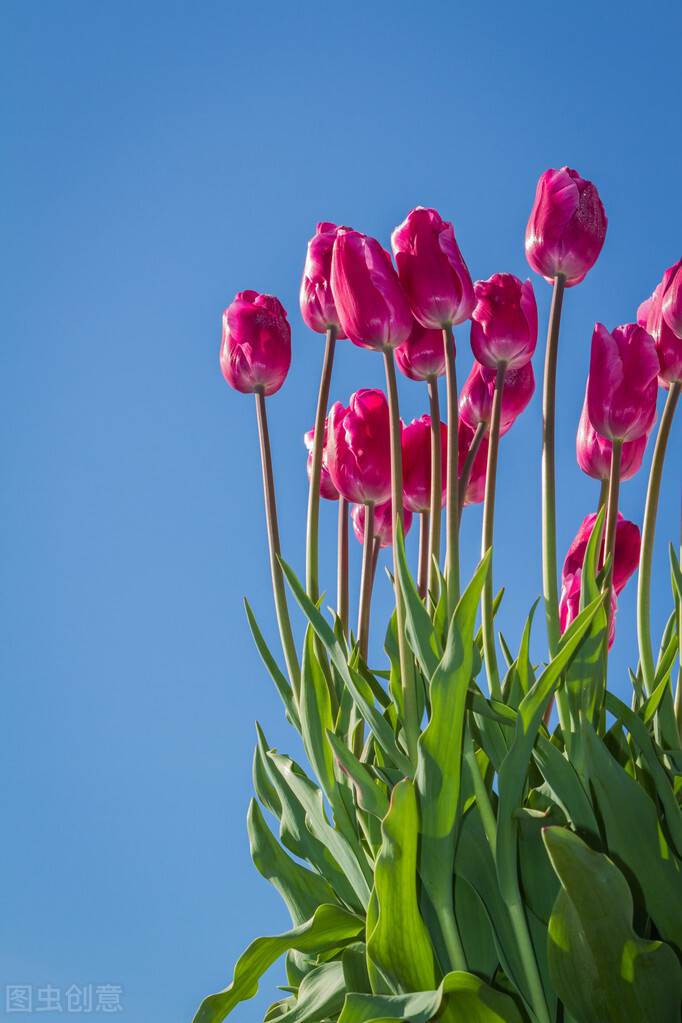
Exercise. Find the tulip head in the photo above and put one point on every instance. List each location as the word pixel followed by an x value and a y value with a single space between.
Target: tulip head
pixel 422 356
pixel 358 447
pixel 432 270
pixel 369 299
pixel 317 302
pixel 622 385
pixel 504 323
pixel 672 298
pixel 383 522
pixel 327 488
pixel 566 228
pixel 416 448
pixel 255 350
pixel 475 489
pixel 476 396
pixel 594 451
pixel 661 316
pixel 569 604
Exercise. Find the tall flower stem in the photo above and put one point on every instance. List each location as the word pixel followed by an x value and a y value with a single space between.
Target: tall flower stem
pixel 549 561
pixel 603 494
pixel 407 678
pixel 366 580
pixel 646 656
pixel 423 553
pixel 469 464
pixel 342 566
pixel 611 523
pixel 487 622
pixel 311 561
pixel 452 491
pixel 283 620
pixel 436 503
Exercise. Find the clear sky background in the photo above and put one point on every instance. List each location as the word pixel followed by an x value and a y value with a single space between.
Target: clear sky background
pixel 157 158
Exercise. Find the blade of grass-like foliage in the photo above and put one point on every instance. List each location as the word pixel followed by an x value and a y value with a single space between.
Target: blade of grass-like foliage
pixel 602 970
pixel 320 995
pixel 281 683
pixel 586 675
pixel 439 772
pixel 316 716
pixel 420 631
pixel 565 785
pixel 329 928
pixel 370 794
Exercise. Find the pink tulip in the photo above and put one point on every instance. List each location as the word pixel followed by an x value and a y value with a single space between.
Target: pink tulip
pixel 255 351
pixel 416 445
pixel 422 356
pixel 431 269
pixel 504 323
pixel 372 307
pixel 661 316
pixel 383 522
pixel 359 447
pixel 594 451
pixel 475 490
pixel 622 387
pixel 327 488
pixel 672 298
pixel 317 302
pixel 566 228
pixel 476 396
pixel 569 604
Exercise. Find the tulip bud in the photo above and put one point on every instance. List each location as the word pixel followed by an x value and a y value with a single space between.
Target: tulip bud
pixel 594 451
pixel 431 269
pixel 327 488
pixel 383 522
pixel 416 446
pixel 255 351
pixel 622 387
pixel 371 305
pixel 359 447
pixel 317 302
pixel 566 228
pixel 422 356
pixel 672 298
pixel 661 316
pixel 475 489
pixel 476 396
pixel 504 323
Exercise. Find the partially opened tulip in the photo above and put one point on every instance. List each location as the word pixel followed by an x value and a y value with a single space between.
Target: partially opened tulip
pixel 594 451
pixel 318 308
pixel 661 316
pixel 622 385
pixel 383 523
pixel 672 298
pixel 255 352
pixel 358 448
pixel 327 488
pixel 421 356
pixel 504 322
pixel 416 442
pixel 566 228
pixel 476 396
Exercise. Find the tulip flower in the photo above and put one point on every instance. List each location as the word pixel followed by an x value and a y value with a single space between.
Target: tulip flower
pixel 473 462
pixel 476 396
pixel 358 448
pixel 504 322
pixel 416 445
pixel 318 308
pixel 371 304
pixel 255 351
pixel 569 604
pixel 382 530
pixel 421 356
pixel 566 228
pixel 661 316
pixel 327 488
pixel 672 298
pixel 594 451
pixel 622 388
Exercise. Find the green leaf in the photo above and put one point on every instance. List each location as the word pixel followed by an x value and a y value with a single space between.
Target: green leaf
pixel 420 631
pixel 283 687
pixel 369 793
pixel 565 786
pixel 602 970
pixel 316 717
pixel 330 927
pixel 320 995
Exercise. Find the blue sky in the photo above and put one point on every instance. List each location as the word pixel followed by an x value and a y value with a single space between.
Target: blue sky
pixel 158 158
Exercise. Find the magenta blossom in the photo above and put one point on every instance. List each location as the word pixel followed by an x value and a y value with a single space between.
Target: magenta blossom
pixel 504 323
pixel 622 387
pixel 476 396
pixel 566 228
pixel 422 356
pixel 432 270
pixel 672 298
pixel 359 447
pixel 594 451
pixel 372 307
pixel 658 315
pixel 317 302
pixel 383 522
pixel 416 445
pixel 569 604
pixel 327 488
pixel 475 489
pixel 255 351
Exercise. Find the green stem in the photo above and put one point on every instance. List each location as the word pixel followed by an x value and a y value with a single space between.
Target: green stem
pixel 603 494
pixel 452 489
pixel 611 524
pixel 283 620
pixel 517 916
pixel 312 532
pixel 366 580
pixel 549 560
pixel 407 678
pixel 342 566
pixel 487 623
pixel 646 656
pixel 423 553
pixel 436 489
pixel 469 464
